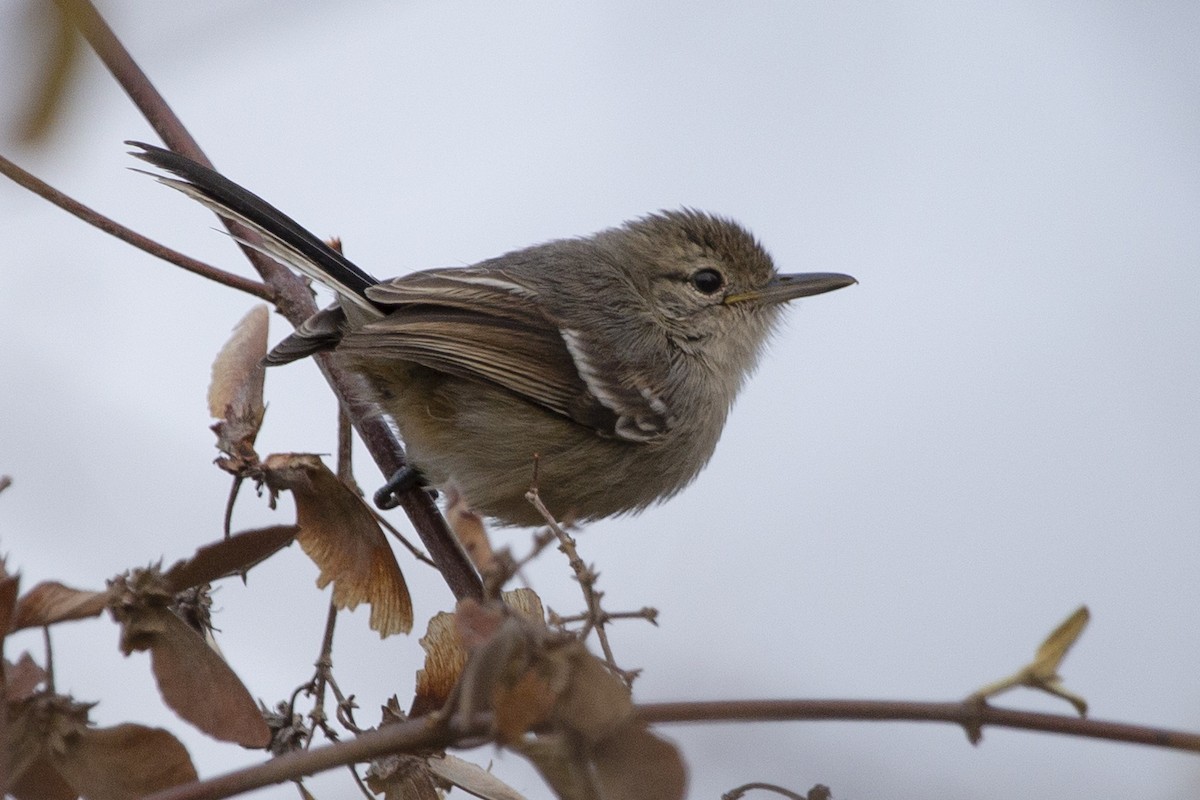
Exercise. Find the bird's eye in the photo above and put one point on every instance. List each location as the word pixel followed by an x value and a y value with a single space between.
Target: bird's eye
pixel 707 281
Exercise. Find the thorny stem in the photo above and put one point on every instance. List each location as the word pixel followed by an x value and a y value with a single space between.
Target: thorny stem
pixel 293 300
pixel 586 576
pixel 647 613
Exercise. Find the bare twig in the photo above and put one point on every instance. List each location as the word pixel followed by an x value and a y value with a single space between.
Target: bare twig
pixel 965 714
pixel 597 617
pixel 110 226
pixel 417 552
pixel 409 736
pixel 324 674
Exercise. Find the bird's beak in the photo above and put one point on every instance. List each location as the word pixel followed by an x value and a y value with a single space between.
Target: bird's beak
pixel 788 287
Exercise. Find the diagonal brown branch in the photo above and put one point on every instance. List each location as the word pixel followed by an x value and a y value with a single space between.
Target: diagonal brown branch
pixel 293 300
pixel 110 226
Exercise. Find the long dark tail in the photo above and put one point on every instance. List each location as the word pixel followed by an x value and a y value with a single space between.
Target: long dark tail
pixel 284 239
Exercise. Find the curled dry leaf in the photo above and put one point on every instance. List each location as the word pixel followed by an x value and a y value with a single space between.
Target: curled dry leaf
pixel 469 529
pixel 193 679
pixel 50 602
pixel 122 762
pixel 53 752
pixel 340 534
pixel 471 778
pixel 41 781
pixel 229 556
pixel 402 777
pixel 445 658
pixel 588 743
pixel 235 395
pixel 445 653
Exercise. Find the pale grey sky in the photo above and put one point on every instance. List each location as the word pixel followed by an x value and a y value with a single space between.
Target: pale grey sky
pixel 929 471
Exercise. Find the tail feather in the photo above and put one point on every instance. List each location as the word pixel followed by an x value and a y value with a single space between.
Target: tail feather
pixel 284 239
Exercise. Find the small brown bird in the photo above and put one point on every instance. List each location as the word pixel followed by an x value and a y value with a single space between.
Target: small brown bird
pixel 612 360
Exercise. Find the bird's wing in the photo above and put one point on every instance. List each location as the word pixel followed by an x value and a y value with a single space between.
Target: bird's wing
pixel 484 324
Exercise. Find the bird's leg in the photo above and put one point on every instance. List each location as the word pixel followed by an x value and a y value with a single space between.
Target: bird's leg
pixel 401 481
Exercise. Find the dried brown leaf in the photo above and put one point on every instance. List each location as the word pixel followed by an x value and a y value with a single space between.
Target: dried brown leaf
pixel 471 778
pixel 595 703
pixel 526 702
pixel 589 745
pixel 402 777
pixel 235 395
pixel 229 556
pixel 41 781
pixel 445 658
pixel 634 764
pixel 50 602
pixel 193 679
pixel 123 762
pixel 201 687
pixel 22 678
pixel 526 603
pixel 469 529
pixel 448 636
pixel 36 725
pixel 477 623
pixel 562 765
pixel 637 765
pixel 340 534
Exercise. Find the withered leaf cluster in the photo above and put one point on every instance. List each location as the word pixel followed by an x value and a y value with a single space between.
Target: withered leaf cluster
pixel 335 527
pixel 549 698
pixel 51 751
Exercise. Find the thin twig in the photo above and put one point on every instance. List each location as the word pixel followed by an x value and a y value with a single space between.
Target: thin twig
pixel 324 669
pixel 586 577
pixel 739 791
pixel 110 226
pixel 964 714
pixel 417 552
pixel 410 736
pixel 227 523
